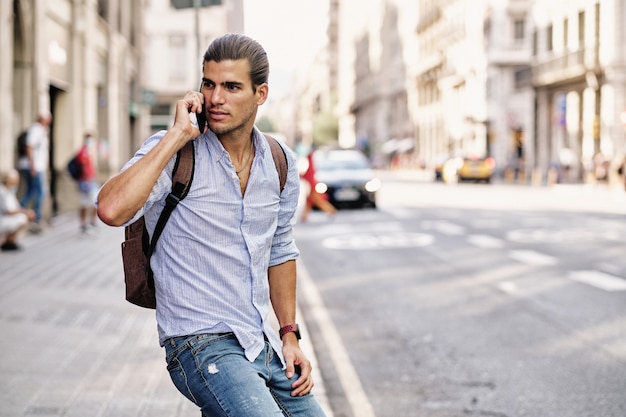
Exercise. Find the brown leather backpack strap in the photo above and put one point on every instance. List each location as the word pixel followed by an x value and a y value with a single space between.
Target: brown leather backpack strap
pixel 183 170
pixel 182 176
pixel 280 159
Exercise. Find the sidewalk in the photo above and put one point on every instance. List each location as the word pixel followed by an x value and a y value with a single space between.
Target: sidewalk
pixel 72 346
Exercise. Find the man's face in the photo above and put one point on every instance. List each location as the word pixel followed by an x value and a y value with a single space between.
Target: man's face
pixel 231 104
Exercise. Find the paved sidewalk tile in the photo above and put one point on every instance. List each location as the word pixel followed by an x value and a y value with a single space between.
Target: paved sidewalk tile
pixel 72 346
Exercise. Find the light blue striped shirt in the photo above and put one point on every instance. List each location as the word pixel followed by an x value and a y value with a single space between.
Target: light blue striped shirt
pixel 210 264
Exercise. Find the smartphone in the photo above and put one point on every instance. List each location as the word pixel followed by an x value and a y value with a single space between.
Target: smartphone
pixel 201 116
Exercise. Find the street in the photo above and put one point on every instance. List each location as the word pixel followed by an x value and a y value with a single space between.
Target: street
pixel 471 299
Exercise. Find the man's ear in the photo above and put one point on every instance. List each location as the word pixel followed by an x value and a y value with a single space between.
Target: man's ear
pixel 262 92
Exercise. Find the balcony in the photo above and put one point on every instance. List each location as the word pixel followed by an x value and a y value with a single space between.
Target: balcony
pixel 562 68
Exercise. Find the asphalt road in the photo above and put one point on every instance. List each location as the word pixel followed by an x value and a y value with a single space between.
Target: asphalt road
pixel 485 300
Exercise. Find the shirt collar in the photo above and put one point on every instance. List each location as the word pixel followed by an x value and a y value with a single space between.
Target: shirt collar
pixel 217 150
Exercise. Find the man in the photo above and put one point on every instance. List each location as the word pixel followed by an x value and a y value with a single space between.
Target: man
pixel 36 164
pixel 13 218
pixel 227 250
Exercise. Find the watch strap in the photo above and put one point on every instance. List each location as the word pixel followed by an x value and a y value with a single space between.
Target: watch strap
pixel 288 329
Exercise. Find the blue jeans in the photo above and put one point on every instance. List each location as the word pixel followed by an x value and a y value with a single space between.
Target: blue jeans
pixel 35 190
pixel 212 371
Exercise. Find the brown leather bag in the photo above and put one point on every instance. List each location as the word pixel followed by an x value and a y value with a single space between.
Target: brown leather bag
pixel 137 247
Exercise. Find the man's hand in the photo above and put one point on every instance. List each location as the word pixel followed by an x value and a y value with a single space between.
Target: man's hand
pixel 125 193
pixel 186 110
pixel 295 358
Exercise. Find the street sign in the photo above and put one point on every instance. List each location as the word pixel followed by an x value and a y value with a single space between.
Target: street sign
pixel 148 97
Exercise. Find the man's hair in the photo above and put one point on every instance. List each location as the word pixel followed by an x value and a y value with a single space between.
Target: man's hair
pixel 44 117
pixel 234 46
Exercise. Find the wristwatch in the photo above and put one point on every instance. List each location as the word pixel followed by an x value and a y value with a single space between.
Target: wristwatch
pixel 288 329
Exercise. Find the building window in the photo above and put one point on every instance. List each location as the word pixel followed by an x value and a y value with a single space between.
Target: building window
pixel 178 58
pixel 102 8
pixel 185 4
pixel 596 29
pixel 518 30
pixel 565 34
pixel 581 30
pixel 549 43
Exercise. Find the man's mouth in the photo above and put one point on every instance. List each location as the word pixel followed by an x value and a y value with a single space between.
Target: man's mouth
pixel 217 115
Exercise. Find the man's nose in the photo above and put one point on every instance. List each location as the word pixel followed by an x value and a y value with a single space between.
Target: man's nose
pixel 217 96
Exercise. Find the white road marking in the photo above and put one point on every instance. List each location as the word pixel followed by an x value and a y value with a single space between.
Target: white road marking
pixel 444 227
pixel 400 213
pixel 599 279
pixel 346 373
pixel 531 257
pixel 508 287
pixel 448 228
pixel 485 241
pixel 361 241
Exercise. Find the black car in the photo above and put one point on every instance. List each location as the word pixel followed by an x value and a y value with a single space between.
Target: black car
pixel 345 177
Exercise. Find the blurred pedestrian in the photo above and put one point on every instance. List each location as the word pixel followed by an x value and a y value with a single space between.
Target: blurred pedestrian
pixel 22 163
pixel 36 163
pixel 227 256
pixel 87 185
pixel 314 198
pixel 13 218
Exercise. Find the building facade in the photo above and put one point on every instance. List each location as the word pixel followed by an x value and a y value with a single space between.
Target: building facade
pixel 536 84
pixel 375 53
pixel 80 60
pixel 579 78
pixel 177 35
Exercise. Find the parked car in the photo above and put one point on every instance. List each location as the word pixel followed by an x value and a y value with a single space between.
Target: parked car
pixel 345 177
pixel 468 169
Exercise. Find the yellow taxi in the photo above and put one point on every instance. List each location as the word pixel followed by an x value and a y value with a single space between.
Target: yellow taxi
pixel 468 169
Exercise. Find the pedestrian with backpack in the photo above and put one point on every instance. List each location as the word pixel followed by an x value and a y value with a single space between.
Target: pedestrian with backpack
pixel 227 255
pixel 87 185
pixel 35 166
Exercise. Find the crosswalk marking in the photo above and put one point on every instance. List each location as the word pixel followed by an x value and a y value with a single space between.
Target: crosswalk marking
pixel 599 279
pixel 532 257
pixel 394 238
pixel 445 227
pixel 485 241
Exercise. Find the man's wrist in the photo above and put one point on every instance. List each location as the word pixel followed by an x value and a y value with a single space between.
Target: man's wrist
pixel 290 328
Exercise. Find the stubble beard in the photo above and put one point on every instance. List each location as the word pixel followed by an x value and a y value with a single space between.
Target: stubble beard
pixel 229 129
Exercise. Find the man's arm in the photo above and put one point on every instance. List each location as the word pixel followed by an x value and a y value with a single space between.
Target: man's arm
pixel 124 194
pixel 282 282
pixel 30 156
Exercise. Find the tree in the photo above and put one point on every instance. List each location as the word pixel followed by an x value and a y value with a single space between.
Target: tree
pixel 264 124
pixel 326 127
